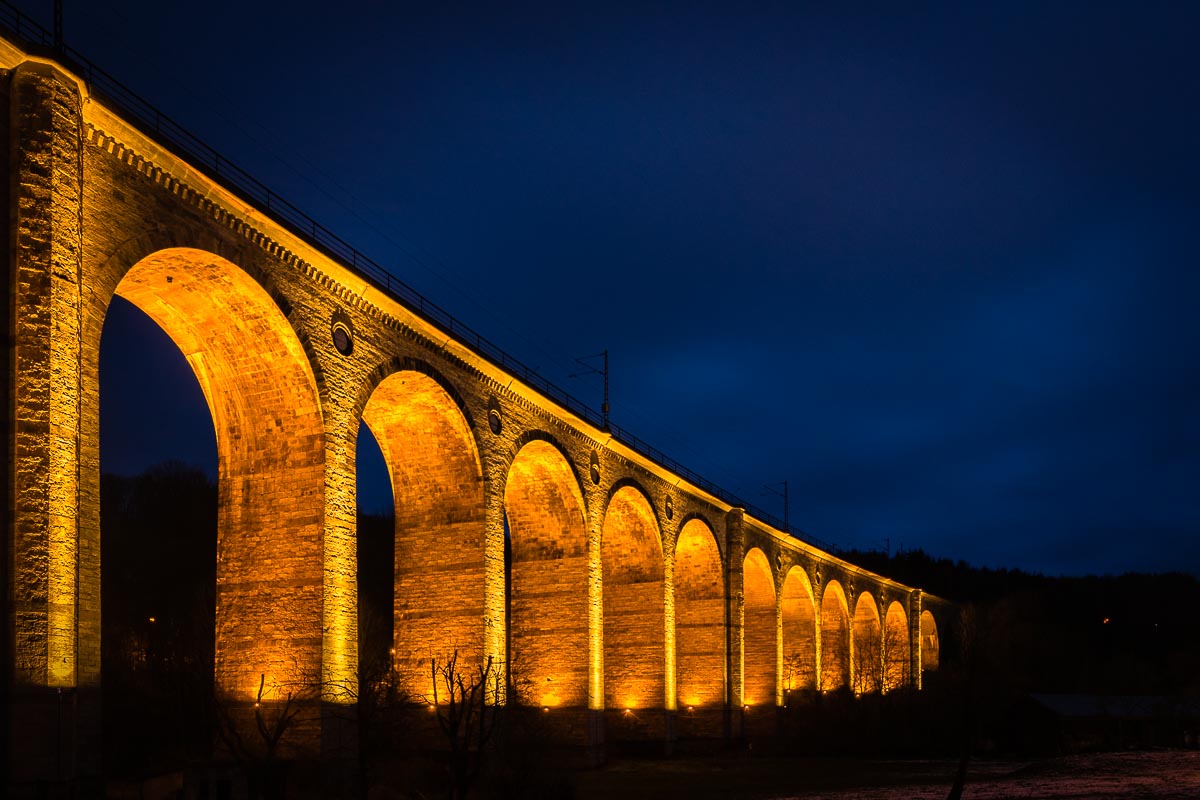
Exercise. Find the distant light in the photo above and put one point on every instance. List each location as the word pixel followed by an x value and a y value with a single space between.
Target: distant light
pixel 746 707
pixel 545 709
pixel 431 706
pixel 1106 620
pixel 155 619
pixel 690 709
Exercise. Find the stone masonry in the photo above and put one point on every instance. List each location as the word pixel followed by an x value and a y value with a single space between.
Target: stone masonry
pixel 631 603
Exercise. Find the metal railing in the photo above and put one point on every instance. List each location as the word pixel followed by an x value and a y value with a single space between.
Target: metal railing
pixel 157 125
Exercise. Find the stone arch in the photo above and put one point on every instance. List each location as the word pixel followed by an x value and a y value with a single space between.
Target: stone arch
pixel 799 632
pixel 409 364
pixel 536 435
pixel 634 619
pixel 897 648
pixel 262 393
pixel 699 616
pixel 548 577
pixel 437 489
pixel 760 651
pixel 866 646
pixel 930 649
pixel 835 638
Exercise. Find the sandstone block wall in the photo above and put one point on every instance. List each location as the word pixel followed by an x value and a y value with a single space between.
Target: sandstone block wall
pixel 523 533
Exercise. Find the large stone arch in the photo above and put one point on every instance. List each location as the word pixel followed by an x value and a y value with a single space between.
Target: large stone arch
pixel 835 638
pixel 634 627
pixel 897 648
pixel 263 396
pixel 437 487
pixel 866 646
pixel 699 617
pixel 799 632
pixel 760 629
pixel 548 577
pixel 930 649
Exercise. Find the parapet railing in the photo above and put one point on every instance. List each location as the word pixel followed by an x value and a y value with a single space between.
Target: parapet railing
pixel 162 128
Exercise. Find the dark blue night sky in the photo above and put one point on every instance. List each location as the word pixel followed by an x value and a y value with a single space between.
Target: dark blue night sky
pixel 937 268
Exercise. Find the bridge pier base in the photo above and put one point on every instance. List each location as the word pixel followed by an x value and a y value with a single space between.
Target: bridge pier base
pixel 597 753
pixel 672 732
pixel 55 741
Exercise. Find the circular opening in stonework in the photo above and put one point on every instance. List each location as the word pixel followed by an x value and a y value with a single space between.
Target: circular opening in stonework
pixel 343 339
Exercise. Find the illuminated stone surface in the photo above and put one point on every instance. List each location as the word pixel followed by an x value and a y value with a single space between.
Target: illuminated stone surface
pixel 634 651
pixel 799 632
pixel 699 618
pixel 930 651
pixel 547 624
pixel 628 587
pixel 835 638
pixel 866 646
pixel 760 631
pixel 897 648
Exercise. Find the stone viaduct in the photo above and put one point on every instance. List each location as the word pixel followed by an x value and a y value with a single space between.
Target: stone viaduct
pixel 637 602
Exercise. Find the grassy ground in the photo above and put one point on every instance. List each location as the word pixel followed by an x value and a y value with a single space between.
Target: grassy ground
pixel 1166 775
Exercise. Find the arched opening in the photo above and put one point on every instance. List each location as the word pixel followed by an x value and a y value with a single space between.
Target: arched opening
pixel 897 650
pixel 835 638
pixel 270 460
pixel 759 631
pixel 799 632
pixel 867 669
pixel 375 545
pixel 158 505
pixel 929 642
pixel 634 620
pixel 437 488
pixel 266 599
pixel 548 612
pixel 699 618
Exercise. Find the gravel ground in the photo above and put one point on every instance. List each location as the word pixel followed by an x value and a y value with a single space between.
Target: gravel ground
pixel 1158 775
pixel 1162 775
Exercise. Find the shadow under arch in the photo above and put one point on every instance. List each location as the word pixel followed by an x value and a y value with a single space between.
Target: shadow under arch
pixel 634 636
pixel 897 648
pixel 866 669
pixel 699 616
pixel 760 629
pixel 433 461
pixel 547 576
pixel 799 625
pixel 835 638
pixel 263 397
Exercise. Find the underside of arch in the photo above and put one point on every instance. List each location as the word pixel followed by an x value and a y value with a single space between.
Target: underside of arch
pixel 835 638
pixel 548 612
pixel 634 619
pixel 437 489
pixel 266 414
pixel 799 632
pixel 930 651
pixel 699 617
pixel 759 631
pixel 897 649
pixel 867 669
